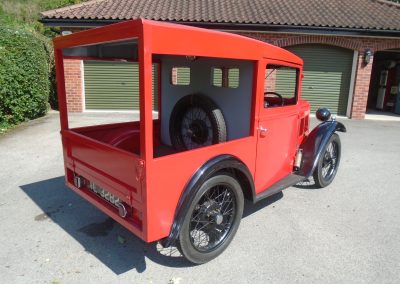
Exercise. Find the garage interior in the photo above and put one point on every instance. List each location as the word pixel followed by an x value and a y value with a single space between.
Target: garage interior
pixel 384 92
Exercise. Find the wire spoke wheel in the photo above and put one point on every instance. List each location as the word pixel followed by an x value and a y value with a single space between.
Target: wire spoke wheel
pixel 328 163
pixel 212 220
pixel 196 121
pixel 196 128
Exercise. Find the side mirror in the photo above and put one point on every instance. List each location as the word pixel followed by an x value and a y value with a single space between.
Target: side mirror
pixel 323 114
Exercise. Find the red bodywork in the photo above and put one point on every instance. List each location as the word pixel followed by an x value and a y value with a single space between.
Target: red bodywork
pixel 120 157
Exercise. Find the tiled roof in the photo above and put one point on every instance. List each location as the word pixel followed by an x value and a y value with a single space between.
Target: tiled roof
pixel 354 14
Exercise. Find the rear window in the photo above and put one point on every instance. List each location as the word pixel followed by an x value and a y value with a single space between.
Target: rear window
pixel 225 77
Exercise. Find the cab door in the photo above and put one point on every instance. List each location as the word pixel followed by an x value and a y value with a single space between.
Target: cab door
pixel 278 124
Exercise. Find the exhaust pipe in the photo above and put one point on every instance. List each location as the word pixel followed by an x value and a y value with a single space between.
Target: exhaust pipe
pixel 122 211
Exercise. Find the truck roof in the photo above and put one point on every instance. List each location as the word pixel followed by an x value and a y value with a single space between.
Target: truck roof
pixel 168 38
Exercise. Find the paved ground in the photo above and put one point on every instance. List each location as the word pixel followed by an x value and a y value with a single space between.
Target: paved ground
pixel 346 233
pixel 380 115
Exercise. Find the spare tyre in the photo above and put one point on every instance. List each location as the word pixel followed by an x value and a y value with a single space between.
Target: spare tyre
pixel 196 121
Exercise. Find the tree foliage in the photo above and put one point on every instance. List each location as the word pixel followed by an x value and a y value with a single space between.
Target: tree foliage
pixel 24 76
pixel 26 13
pixel 27 81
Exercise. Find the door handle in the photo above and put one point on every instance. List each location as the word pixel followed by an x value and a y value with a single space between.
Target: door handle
pixel 263 131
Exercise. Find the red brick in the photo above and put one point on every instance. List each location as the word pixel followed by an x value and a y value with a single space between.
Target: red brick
pixel 73 85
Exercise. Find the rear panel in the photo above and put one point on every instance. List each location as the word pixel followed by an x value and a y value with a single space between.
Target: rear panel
pixel 116 171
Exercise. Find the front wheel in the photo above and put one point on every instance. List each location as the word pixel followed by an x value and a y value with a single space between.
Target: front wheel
pixel 328 162
pixel 212 220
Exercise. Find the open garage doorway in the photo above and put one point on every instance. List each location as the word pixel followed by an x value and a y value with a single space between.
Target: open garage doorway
pixel 384 92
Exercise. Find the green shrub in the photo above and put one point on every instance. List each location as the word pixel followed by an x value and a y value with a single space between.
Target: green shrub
pixel 48 43
pixel 53 98
pixel 24 76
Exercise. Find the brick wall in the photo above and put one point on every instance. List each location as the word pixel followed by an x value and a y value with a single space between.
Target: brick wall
pixel 363 72
pixel 361 87
pixel 73 84
pixel 355 43
pixel 362 79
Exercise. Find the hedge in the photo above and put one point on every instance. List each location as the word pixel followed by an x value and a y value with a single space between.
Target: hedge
pixel 24 76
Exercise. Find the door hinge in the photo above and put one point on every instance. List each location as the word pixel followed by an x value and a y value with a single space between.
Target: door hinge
pixel 139 170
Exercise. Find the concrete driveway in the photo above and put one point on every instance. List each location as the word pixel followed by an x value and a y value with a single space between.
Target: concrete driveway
pixel 346 233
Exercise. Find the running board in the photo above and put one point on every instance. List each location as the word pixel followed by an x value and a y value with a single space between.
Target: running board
pixel 287 181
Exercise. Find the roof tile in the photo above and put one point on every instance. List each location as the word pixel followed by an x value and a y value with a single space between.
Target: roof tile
pixel 364 14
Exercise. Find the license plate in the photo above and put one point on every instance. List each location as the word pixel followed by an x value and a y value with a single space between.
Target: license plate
pixel 104 194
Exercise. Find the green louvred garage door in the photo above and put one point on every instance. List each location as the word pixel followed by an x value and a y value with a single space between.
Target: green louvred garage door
pixel 111 85
pixel 327 72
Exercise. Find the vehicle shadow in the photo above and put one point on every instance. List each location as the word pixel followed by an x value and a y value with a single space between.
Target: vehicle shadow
pixel 250 207
pixel 307 184
pixel 111 243
pixel 101 236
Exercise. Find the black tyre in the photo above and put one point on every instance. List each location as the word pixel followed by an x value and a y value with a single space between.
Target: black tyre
pixel 328 163
pixel 212 220
pixel 196 121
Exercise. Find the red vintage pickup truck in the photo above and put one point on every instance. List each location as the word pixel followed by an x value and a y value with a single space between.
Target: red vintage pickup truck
pixel 231 125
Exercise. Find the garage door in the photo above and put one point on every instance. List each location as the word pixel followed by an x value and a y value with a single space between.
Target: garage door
pixel 114 85
pixel 327 72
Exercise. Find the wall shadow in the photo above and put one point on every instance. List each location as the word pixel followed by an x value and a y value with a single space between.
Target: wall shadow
pixel 101 236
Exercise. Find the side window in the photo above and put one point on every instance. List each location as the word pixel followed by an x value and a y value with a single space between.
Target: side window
pixel 180 76
pixel 280 86
pixel 225 77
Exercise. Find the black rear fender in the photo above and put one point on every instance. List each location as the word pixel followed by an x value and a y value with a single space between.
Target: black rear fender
pixel 217 164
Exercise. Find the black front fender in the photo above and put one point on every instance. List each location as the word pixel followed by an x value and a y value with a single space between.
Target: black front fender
pixel 315 143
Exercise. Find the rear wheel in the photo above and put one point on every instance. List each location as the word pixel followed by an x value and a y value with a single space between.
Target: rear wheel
pixel 212 220
pixel 328 162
